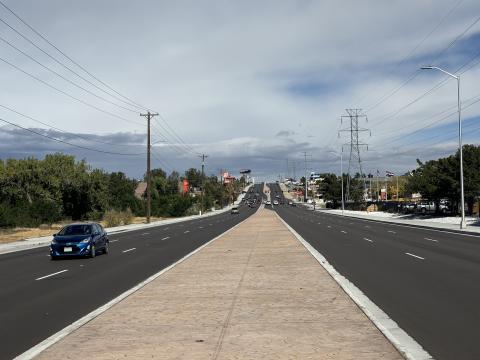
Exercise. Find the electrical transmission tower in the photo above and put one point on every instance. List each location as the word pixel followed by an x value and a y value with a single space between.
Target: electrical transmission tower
pixel 355 161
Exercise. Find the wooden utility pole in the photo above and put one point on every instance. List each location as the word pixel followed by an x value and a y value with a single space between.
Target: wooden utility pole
pixel 203 156
pixel 148 115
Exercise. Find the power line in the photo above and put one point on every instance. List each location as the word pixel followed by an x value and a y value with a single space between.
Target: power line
pixel 58 129
pixel 63 77
pixel 66 142
pixel 132 102
pixel 67 94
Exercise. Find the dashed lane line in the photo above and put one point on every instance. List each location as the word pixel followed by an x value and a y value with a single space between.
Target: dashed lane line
pixel 186 232
pixel 165 238
pixel 114 240
pixel 415 256
pixel 125 251
pixel 391 232
pixel 145 234
pixel 367 239
pixel 50 275
pixel 431 239
pixel 343 231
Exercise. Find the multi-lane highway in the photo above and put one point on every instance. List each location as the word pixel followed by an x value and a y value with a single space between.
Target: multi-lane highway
pixel 39 297
pixel 427 281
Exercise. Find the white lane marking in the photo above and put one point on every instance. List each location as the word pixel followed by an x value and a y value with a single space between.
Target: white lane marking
pixel 166 228
pixel 210 224
pixel 417 227
pixel 431 239
pixel 200 227
pixel 368 239
pixel 49 275
pixel 344 232
pixel 145 234
pixel 125 251
pixel 165 238
pixel 367 226
pixel 186 232
pixel 403 342
pixel 114 240
pixel 319 223
pixel 391 231
pixel 328 226
pixel 45 344
pixel 350 223
pixel 415 256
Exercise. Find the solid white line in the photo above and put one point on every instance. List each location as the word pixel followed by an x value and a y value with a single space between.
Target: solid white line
pixel 45 344
pixel 165 238
pixel 47 276
pixel 367 239
pixel 124 251
pixel 404 343
pixel 145 234
pixel 415 256
pixel 431 239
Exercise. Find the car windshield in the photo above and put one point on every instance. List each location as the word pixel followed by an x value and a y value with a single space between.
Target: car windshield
pixel 76 230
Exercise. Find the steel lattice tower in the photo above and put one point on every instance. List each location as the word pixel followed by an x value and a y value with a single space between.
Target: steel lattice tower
pixel 355 161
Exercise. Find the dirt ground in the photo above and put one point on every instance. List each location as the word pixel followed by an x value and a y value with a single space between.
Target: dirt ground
pixel 17 234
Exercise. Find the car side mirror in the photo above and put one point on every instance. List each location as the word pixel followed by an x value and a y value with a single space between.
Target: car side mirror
pixel 54 235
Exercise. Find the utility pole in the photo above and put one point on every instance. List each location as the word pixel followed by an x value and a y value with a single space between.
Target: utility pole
pixel 149 116
pixel 203 156
pixel 306 186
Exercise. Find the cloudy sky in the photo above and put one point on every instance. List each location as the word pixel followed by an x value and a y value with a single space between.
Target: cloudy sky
pixel 249 83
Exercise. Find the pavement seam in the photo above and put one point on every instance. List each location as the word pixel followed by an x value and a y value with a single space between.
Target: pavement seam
pixel 226 324
pixel 404 343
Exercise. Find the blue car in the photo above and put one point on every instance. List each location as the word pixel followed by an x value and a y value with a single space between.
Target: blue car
pixel 85 239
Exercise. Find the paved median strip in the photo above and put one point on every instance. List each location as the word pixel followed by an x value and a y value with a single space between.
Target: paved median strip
pixel 50 275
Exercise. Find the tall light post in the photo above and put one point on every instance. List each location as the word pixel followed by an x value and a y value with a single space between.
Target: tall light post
pixel 463 223
pixel 341 175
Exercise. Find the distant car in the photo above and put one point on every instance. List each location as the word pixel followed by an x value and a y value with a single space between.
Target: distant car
pixel 268 202
pixel 275 202
pixel 291 203
pixel 234 210
pixel 84 239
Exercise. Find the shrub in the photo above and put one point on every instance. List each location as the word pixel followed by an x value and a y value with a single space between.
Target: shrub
pixel 112 218
pixel 127 216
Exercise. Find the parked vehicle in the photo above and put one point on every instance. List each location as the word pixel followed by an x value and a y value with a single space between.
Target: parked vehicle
pixel 428 207
pixel 82 239
pixel 275 202
pixel 234 210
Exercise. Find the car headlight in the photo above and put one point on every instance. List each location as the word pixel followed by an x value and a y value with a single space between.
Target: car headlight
pixel 54 242
pixel 84 241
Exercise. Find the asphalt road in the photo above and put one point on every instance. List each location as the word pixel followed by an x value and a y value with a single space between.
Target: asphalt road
pixel 427 281
pixel 39 297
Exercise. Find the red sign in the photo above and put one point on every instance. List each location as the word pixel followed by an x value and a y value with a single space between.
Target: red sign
pixel 186 186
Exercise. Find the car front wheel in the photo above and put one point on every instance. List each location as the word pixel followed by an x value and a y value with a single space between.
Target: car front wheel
pixel 92 251
pixel 105 249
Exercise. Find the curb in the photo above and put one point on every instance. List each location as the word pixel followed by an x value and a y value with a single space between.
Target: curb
pixel 404 343
pixel 51 340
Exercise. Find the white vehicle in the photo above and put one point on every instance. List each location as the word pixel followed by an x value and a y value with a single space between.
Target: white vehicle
pixel 268 202
pixel 275 202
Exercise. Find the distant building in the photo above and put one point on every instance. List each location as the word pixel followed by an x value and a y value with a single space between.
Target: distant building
pixel 140 190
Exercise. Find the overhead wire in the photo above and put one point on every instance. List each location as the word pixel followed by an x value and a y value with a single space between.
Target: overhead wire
pixel 68 143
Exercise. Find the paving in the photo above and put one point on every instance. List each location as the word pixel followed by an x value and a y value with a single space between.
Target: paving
pixel 254 293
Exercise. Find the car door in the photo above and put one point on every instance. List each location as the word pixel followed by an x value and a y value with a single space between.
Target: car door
pixel 96 236
pixel 103 235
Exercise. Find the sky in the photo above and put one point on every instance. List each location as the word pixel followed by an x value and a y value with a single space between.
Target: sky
pixel 251 84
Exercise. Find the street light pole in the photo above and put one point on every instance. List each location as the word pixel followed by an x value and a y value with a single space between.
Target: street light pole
pixel 341 175
pixel 463 223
